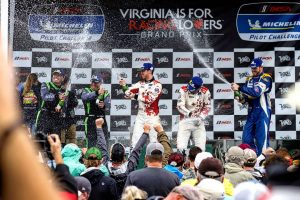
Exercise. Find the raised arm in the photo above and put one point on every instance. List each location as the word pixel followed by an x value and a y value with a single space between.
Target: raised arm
pixel 136 152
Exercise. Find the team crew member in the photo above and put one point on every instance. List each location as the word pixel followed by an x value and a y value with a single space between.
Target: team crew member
pixel 95 100
pixel 30 98
pixel 147 92
pixel 68 133
pixel 256 92
pixel 48 118
pixel 194 103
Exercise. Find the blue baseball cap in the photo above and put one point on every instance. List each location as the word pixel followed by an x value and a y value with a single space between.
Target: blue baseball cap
pixel 256 62
pixel 96 79
pixel 195 83
pixel 147 66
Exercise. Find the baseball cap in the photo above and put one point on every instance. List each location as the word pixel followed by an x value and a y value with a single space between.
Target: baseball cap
pixel 211 189
pixel 211 167
pixel 96 79
pixel 154 146
pixel 93 151
pixel 188 192
pixel 235 154
pixel 117 152
pixel 83 184
pixel 195 83
pixel 147 66
pixel 176 159
pixel 256 62
pixel 250 156
pixel 57 71
pixel 201 156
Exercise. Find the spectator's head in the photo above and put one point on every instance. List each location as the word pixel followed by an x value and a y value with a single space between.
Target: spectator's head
pixel 31 79
pixel 210 168
pixel 235 155
pixel 84 187
pixel 195 84
pixel 176 160
pixel 201 156
pixel 133 193
pixel 147 71
pixel 283 152
pixel 295 153
pixel 57 77
pixel 93 157
pixel 185 192
pixel 250 191
pixel 250 158
pixel 71 150
pixel 154 153
pixel 246 146
pixel 211 189
pixel 269 151
pixel 96 81
pixel 193 153
pixel 117 153
pixel 256 66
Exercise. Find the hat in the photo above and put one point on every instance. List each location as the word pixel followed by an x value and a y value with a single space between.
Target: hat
pixel 57 71
pixel 195 83
pixel 235 154
pixel 256 62
pixel 211 189
pixel 188 192
pixel 250 156
pixel 154 146
pixel 93 151
pixel 250 190
pixel 83 184
pixel 96 79
pixel 176 159
pixel 117 152
pixel 201 156
pixel 147 66
pixel 211 167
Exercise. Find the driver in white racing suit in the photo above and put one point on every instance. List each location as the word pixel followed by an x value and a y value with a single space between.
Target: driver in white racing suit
pixel 194 103
pixel 147 92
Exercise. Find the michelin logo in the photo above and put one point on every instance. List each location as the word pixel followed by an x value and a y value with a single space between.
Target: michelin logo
pixel 267 26
pixel 79 28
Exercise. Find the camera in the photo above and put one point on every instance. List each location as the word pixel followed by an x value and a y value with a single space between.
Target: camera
pixel 42 141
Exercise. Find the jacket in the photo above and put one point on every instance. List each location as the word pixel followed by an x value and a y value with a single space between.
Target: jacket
pixel 103 187
pixel 71 154
pixel 236 174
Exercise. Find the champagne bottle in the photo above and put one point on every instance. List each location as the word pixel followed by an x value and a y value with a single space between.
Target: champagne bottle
pixel 238 96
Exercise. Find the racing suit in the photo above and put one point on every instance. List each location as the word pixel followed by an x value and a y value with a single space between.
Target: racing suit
pixel 193 109
pixel 256 92
pixel 93 112
pixel 147 93
pixel 48 120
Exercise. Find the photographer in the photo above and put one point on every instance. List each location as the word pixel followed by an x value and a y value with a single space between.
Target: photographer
pixel 21 169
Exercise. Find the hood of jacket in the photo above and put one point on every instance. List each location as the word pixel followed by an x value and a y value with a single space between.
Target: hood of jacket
pixel 71 152
pixel 93 174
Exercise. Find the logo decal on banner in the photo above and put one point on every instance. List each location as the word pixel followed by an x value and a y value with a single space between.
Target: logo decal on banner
pixel 66 23
pixel 269 22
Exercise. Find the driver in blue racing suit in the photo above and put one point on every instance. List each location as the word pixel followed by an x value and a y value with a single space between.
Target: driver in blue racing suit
pixel 256 92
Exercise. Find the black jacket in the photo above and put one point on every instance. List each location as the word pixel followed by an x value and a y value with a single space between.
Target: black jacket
pixel 103 187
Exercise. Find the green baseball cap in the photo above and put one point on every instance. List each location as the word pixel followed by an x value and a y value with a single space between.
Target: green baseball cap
pixel 93 151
